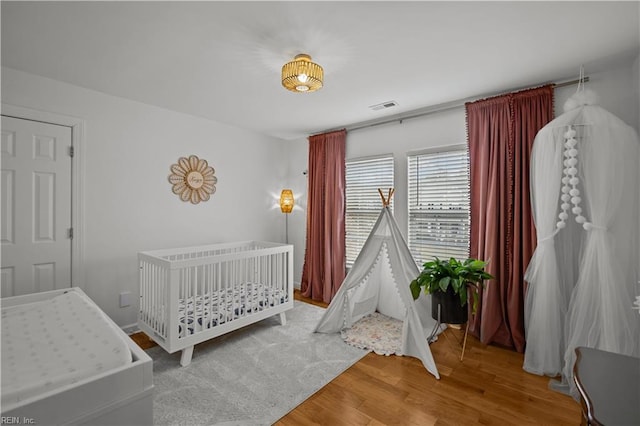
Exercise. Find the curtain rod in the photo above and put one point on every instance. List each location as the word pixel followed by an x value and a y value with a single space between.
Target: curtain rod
pixel 444 107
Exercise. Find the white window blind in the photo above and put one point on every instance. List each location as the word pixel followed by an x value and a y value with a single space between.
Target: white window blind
pixel 363 203
pixel 439 204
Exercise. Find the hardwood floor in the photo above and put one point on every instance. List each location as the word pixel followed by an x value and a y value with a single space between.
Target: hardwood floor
pixel 488 387
pixel 143 340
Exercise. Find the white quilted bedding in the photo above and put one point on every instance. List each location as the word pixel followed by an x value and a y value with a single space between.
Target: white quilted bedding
pixel 56 342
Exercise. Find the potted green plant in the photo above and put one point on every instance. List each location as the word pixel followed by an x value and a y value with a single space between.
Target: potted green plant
pixel 449 282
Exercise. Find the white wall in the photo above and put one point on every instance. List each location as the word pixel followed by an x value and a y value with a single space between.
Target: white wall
pixel 127 200
pixel 635 89
pixel 617 89
pixel 297 154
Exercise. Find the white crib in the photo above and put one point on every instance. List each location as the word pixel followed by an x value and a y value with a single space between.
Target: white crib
pixel 190 295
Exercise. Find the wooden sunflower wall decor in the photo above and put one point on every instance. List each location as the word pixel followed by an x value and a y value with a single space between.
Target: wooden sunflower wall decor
pixel 192 179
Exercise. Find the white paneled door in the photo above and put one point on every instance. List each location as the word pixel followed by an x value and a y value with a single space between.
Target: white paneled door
pixel 36 206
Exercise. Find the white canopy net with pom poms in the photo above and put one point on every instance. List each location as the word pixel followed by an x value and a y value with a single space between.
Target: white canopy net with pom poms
pixel 583 276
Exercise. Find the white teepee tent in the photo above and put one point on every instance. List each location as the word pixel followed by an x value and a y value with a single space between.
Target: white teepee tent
pixel 379 281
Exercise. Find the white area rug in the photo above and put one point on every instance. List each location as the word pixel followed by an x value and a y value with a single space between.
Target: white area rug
pixel 252 376
pixel 376 332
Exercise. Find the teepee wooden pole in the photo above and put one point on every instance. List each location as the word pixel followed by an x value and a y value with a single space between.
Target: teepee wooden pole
pixel 385 202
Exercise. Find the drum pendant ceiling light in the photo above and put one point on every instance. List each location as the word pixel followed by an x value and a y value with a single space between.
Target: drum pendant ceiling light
pixel 302 75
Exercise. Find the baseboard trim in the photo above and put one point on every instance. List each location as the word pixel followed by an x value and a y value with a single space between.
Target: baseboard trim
pixel 130 329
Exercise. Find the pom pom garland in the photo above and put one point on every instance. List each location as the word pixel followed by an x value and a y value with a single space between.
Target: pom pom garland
pixel 570 181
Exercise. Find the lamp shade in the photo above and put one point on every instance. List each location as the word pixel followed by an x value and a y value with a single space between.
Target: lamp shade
pixel 286 201
pixel 302 75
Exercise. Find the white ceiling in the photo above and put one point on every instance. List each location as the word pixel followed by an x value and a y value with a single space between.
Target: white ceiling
pixel 222 60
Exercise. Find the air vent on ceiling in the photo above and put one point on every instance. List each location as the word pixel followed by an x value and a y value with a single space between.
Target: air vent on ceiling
pixel 384 105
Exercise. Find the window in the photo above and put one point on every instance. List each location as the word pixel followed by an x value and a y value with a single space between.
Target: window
pixel 439 204
pixel 363 204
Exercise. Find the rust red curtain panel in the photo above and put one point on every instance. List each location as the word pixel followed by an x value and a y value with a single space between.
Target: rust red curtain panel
pixel 324 260
pixel 500 133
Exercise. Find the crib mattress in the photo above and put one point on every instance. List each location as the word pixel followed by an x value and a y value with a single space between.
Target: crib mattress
pixel 208 310
pixel 56 342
